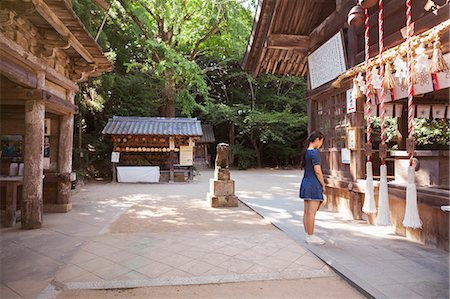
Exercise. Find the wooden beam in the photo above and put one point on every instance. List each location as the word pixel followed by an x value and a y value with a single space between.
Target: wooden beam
pixel 286 42
pixel 52 102
pixel 330 26
pixel 47 13
pixel 16 73
pixel 9 50
pixel 60 105
pixel 272 9
pixel 21 94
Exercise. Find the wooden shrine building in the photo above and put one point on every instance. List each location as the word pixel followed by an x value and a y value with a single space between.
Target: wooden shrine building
pixel 203 148
pixel 312 39
pixel 44 52
pixel 153 149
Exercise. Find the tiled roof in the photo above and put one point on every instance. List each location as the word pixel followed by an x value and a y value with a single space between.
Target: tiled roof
pixel 208 135
pixel 121 125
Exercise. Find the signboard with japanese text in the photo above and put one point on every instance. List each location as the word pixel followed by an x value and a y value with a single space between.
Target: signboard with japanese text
pixel 327 62
pixel 186 155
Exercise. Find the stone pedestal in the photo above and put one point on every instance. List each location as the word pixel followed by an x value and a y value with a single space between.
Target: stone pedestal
pixel 221 190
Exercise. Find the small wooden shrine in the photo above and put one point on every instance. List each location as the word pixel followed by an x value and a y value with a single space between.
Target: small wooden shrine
pixel 45 51
pixel 153 149
pixel 336 46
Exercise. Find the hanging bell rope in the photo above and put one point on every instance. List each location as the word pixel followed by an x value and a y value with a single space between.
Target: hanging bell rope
pixel 383 197
pixel 411 219
pixel 369 206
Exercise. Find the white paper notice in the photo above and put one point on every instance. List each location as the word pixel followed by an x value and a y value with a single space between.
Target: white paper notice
pixel 351 103
pixel 345 155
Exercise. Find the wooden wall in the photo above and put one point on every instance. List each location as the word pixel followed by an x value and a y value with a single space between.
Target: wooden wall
pixel 435 229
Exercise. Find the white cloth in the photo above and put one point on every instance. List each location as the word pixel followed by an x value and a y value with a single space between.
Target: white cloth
pixel 138 174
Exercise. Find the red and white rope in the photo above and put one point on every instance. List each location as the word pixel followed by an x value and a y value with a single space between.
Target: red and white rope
pixel 409 75
pixel 367 54
pixel 381 50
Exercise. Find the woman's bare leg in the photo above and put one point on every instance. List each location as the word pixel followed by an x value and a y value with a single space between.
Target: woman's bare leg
pixel 309 216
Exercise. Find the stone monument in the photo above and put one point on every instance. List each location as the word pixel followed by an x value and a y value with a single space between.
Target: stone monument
pixel 221 188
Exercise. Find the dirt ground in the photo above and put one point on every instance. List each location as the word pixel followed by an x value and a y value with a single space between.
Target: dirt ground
pixel 298 288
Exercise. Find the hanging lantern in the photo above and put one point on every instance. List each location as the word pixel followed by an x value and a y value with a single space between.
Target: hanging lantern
pixel 367 3
pixel 356 16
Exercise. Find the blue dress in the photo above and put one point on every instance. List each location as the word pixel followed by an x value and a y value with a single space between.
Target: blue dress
pixel 310 188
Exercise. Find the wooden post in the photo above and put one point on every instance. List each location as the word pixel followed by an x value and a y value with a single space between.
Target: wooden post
pixel 114 173
pixel 311 116
pixel 32 200
pixel 65 156
pixel 171 147
pixel 206 156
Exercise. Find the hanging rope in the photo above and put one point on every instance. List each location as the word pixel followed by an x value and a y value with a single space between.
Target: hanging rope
pixel 409 75
pixel 366 62
pixel 381 50
pixel 412 218
pixel 369 206
pixel 383 197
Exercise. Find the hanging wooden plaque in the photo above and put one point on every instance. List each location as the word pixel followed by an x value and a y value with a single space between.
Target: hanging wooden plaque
pixel 369 149
pixel 383 151
pixel 410 146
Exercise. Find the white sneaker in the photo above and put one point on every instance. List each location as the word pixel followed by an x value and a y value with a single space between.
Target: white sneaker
pixel 314 240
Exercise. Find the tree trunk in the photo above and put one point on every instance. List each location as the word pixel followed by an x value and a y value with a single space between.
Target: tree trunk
pixel 168 103
pixel 232 138
pixel 257 151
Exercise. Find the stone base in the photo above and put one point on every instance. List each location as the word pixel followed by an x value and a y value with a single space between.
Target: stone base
pixel 221 188
pixel 228 201
pixel 57 208
pixel 222 174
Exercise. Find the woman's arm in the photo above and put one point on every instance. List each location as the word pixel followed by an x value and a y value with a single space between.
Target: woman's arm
pixel 319 175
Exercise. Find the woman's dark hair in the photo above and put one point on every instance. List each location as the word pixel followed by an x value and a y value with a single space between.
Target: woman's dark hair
pixel 314 135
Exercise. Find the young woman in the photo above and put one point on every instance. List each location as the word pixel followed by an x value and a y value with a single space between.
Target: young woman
pixel 312 186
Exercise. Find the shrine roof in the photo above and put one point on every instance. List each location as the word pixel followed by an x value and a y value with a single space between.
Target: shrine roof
pixel 208 135
pixel 127 125
pixel 283 34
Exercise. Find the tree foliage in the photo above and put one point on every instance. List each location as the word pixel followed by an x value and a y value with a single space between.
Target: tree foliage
pixel 182 57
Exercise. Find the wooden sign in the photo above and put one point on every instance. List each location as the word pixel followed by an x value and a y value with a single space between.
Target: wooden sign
pixel 369 149
pixel 351 138
pixel 351 103
pixel 115 157
pixel 186 155
pixel 327 62
pixel 383 151
pixel 410 146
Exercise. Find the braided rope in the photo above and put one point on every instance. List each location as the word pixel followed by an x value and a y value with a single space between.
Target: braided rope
pixel 367 54
pixel 409 75
pixel 381 50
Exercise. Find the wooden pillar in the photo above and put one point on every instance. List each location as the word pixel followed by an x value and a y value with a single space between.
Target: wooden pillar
pixel 311 116
pixel 357 166
pixel 32 200
pixel 206 155
pixel 171 156
pixel 65 157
